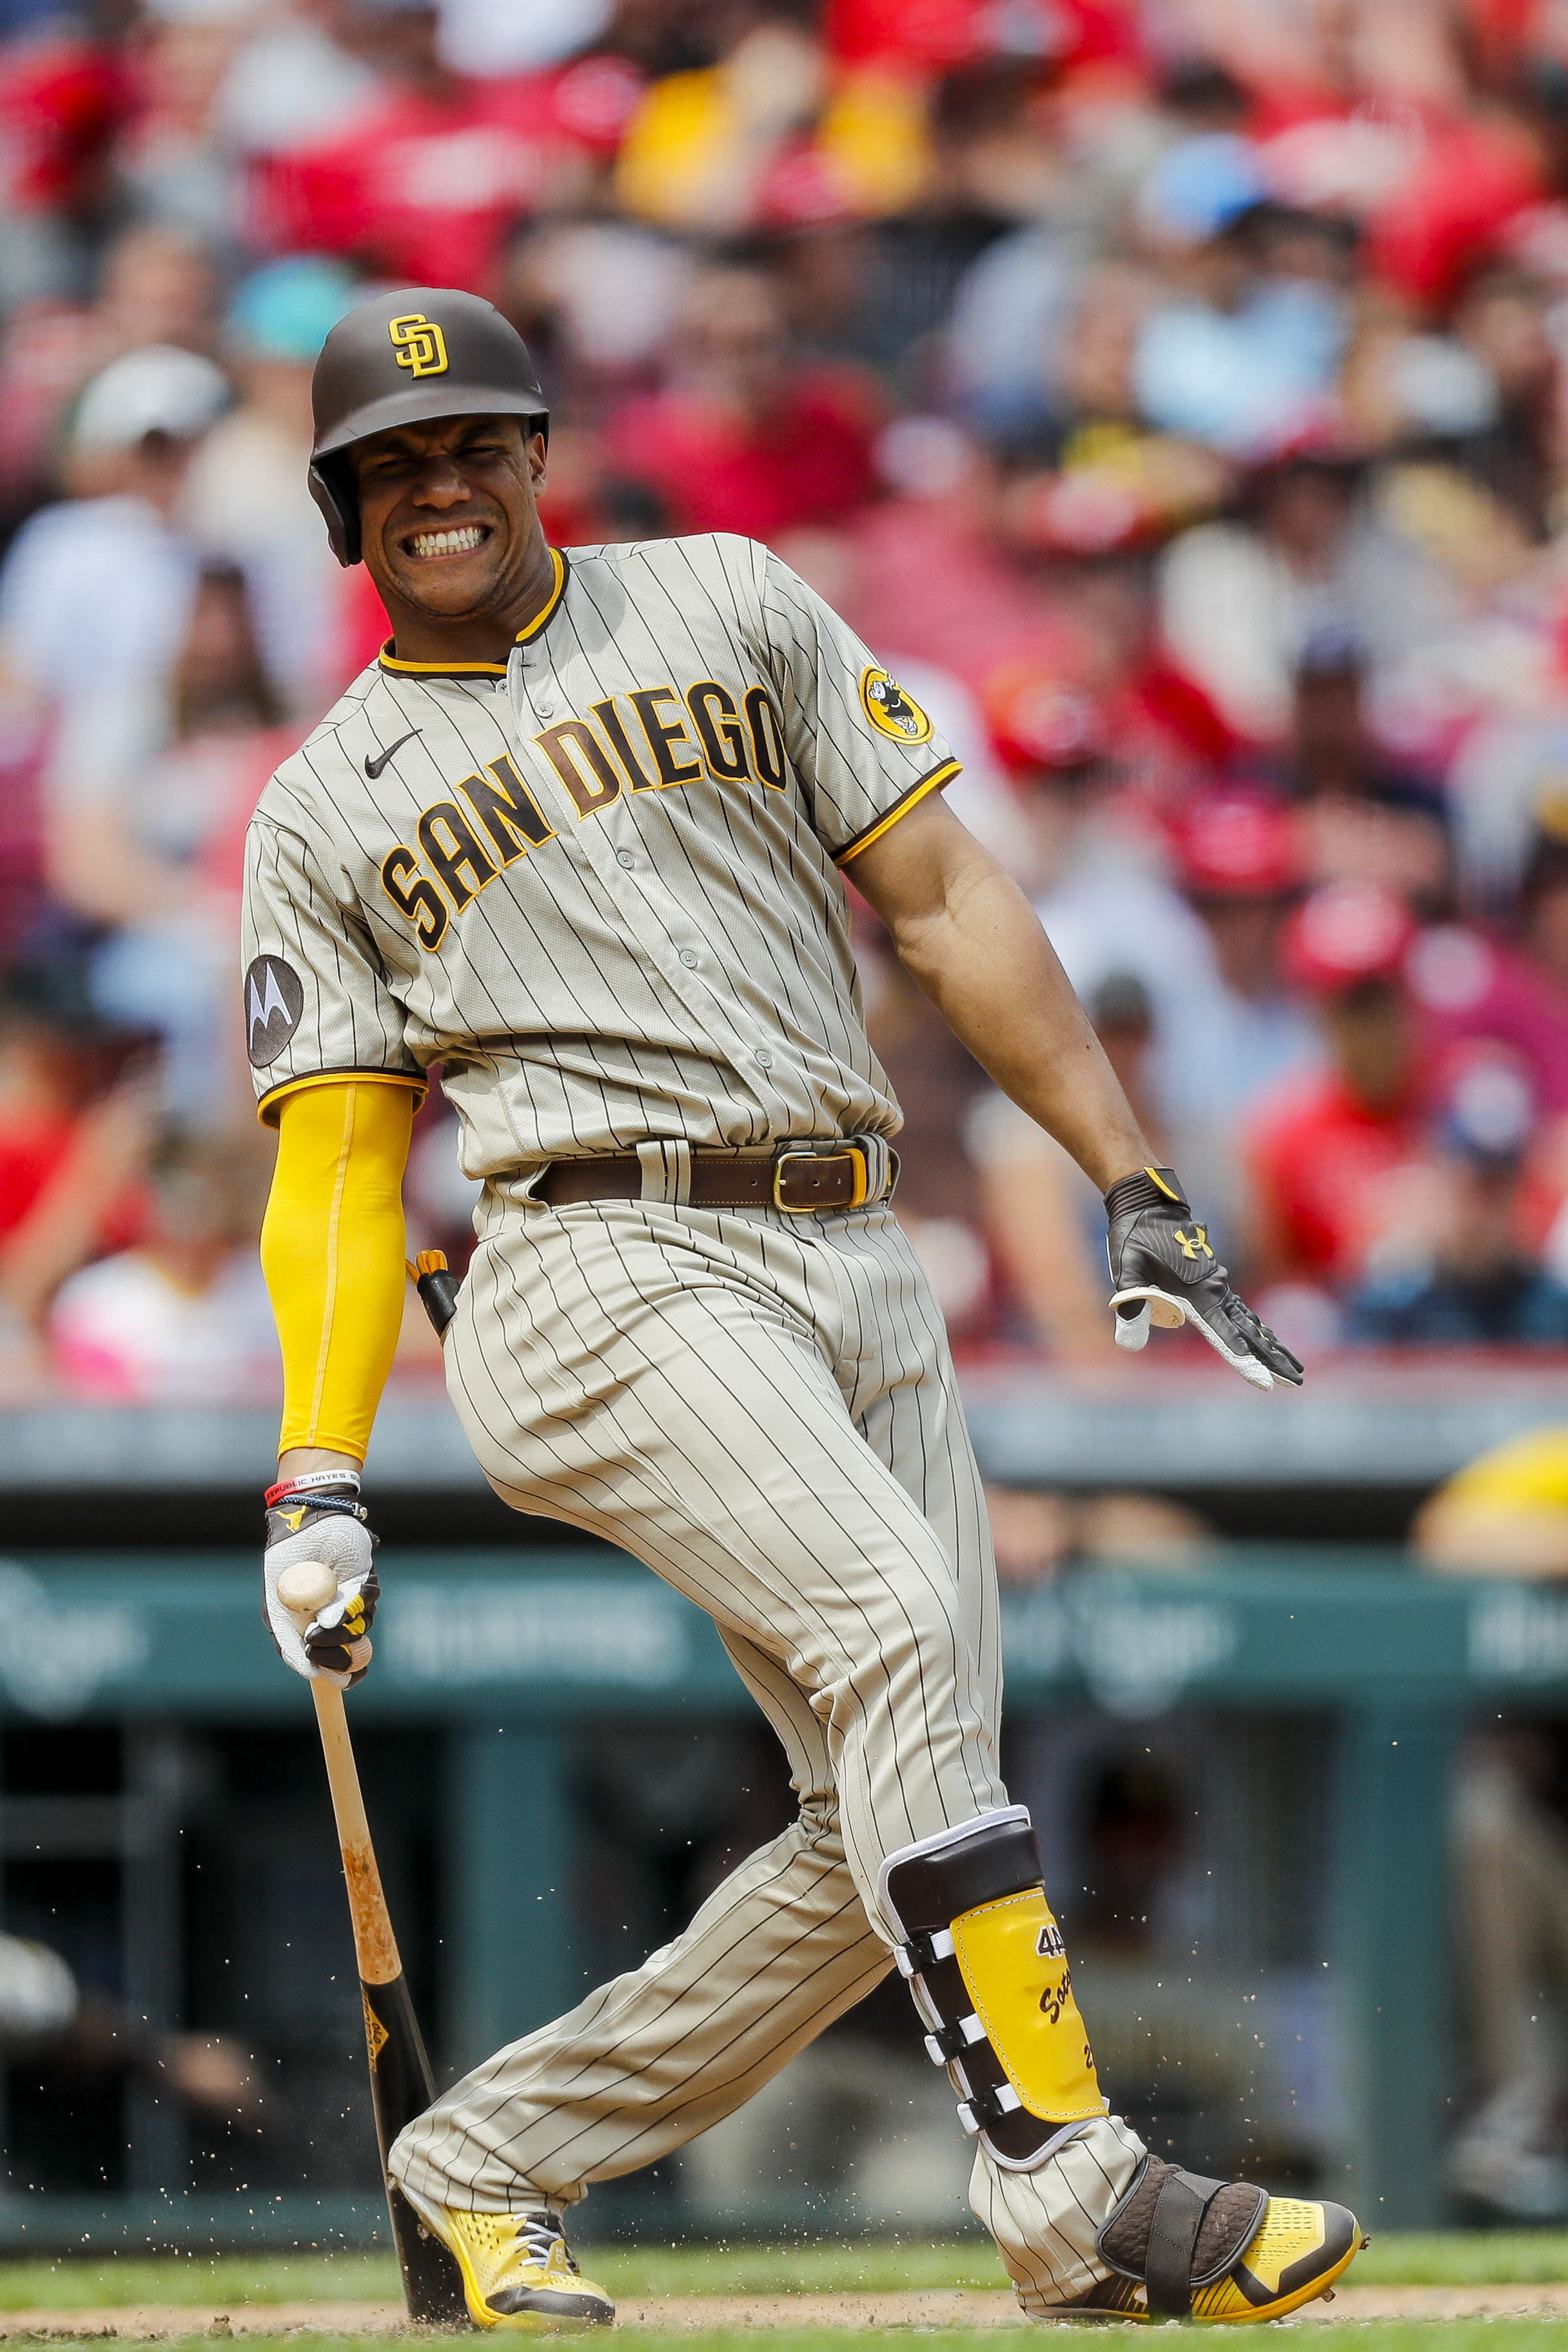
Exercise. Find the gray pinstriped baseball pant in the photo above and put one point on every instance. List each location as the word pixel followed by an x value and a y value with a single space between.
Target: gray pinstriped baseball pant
pixel 763 1410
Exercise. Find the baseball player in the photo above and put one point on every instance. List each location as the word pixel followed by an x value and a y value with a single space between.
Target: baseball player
pixel 579 836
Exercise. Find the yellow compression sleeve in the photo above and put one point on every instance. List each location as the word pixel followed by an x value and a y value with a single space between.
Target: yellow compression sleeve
pixel 333 1252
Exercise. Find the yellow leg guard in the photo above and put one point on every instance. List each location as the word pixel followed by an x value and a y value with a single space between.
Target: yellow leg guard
pixel 1014 1964
pixel 988 1972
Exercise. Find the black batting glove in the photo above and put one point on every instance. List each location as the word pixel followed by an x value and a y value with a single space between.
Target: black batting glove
pixel 1164 1270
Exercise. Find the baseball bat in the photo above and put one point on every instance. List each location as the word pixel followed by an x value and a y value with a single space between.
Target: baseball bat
pixel 401 2083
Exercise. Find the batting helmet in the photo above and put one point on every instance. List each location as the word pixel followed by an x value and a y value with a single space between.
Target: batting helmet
pixel 426 350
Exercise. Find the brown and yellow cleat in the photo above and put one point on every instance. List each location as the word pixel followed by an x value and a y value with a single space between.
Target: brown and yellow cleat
pixel 518 2270
pixel 1218 2250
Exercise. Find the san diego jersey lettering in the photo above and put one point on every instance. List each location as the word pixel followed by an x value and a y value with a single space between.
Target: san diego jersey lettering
pixel 599 883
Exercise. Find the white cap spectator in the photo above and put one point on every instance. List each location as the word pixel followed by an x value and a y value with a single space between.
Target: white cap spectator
pixel 161 389
pixel 200 12
pixel 502 37
pixel 1492 1111
pixel 113 566
pixel 1439 387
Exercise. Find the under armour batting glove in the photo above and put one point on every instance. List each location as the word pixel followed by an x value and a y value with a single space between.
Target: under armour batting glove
pixel 1162 1269
pixel 325 1523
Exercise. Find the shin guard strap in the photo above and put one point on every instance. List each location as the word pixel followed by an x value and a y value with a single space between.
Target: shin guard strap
pixel 920 1954
pixel 992 2105
pixel 950 2041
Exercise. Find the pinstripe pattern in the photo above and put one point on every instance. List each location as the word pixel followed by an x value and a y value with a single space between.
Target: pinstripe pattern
pixel 557 998
pixel 763 1410
pixel 1045 2223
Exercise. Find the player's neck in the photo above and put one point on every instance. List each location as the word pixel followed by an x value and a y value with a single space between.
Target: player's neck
pixel 484 636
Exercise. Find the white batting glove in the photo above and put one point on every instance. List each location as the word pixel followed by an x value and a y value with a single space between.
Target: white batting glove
pixel 335 1645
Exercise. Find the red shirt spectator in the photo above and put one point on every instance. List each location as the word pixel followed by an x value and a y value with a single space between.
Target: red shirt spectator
pixel 72 1138
pixel 1339 1161
pixel 1468 181
pixel 426 187
pixel 1332 1174
pixel 40 1143
pixel 739 440
pixel 989 611
pixel 937 35
pixel 62 101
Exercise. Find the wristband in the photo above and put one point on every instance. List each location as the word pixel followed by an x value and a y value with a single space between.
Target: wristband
pixel 308 1481
pixel 1146 1187
pixel 327 1503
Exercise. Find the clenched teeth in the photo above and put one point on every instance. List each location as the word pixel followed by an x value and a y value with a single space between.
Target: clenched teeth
pixel 447 542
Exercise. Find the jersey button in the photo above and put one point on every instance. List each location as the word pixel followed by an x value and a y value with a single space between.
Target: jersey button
pixel 624 857
pixel 546 710
pixel 689 958
pixel 765 1057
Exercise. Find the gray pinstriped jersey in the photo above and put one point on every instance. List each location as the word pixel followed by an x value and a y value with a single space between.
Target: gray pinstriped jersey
pixel 598 886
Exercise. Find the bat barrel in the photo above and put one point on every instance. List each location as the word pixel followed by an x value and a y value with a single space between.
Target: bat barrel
pixel 403 2086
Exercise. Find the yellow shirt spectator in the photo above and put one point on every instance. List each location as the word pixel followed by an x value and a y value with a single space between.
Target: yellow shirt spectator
pixel 1505 1514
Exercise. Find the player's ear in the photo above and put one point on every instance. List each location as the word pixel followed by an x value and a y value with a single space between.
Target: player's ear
pixel 538 449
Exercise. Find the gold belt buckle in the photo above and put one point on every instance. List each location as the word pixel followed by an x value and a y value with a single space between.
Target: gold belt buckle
pixel 805 1151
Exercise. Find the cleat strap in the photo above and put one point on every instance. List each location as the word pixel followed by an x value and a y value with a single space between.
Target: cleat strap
pixel 1178 2231
pixel 1178 2215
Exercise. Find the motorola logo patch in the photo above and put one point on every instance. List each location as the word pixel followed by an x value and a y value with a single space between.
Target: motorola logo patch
pixel 274 1000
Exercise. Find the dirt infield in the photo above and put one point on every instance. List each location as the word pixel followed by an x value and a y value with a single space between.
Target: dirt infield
pixel 704 2314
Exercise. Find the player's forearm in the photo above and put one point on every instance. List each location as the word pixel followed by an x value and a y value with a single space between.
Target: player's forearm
pixel 989 967
pixel 967 934
pixel 333 1252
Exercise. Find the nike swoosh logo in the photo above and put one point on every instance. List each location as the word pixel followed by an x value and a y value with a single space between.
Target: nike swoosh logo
pixel 373 768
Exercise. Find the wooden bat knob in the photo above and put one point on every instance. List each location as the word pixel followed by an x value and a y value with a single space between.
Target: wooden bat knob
pixel 306 1588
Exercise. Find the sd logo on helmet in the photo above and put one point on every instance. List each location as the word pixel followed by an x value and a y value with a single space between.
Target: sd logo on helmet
pixel 452 354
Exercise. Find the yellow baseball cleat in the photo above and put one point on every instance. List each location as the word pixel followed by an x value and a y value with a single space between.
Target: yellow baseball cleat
pixel 1217 2250
pixel 518 2270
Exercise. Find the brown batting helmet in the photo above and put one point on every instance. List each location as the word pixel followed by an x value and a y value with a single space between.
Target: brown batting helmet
pixel 426 350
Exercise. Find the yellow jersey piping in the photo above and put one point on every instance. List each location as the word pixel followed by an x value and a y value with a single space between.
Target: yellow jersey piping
pixel 900 808
pixel 389 661
pixel 266 1109
pixel 542 619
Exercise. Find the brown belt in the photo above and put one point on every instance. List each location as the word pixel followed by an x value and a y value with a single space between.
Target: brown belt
pixel 797 1177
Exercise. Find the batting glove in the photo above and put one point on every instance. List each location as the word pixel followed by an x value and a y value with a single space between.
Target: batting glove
pixel 1164 1270
pixel 326 1525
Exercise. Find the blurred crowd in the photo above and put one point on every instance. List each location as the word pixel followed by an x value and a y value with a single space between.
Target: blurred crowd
pixel 1174 396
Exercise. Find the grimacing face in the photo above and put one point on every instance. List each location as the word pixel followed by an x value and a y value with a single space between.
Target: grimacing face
pixel 447 514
